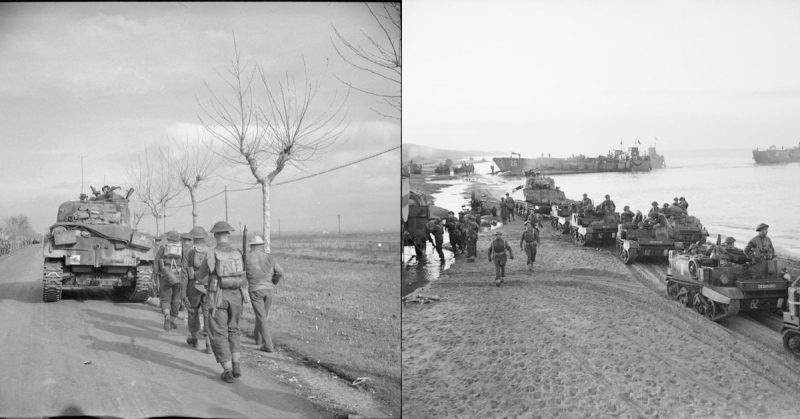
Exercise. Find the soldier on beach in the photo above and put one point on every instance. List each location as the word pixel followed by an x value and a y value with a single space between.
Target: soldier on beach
pixel 503 211
pixel 471 233
pixel 627 215
pixel 760 247
pixel 434 227
pixel 510 206
pixel 529 242
pixel 608 205
pixel 586 202
pixel 683 204
pixel 654 211
pixel 497 253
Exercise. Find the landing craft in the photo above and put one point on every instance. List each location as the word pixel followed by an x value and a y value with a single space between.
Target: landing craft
pixel 615 161
pixel 772 155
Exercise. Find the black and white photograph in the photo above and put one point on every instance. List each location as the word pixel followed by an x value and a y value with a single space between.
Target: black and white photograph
pixel 199 212
pixel 600 209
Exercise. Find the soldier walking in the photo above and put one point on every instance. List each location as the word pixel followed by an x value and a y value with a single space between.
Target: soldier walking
pixel 471 233
pixel 510 206
pixel 497 252
pixel 434 227
pixel 451 224
pixel 263 273
pixel 168 267
pixel 227 294
pixel 760 247
pixel 195 291
pixel 529 242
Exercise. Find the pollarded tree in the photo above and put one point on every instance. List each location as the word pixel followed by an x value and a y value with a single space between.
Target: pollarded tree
pixel 283 125
pixel 154 181
pixel 195 162
pixel 380 56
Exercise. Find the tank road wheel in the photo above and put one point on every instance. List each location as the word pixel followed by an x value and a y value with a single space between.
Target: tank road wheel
pixel 51 282
pixel 693 268
pixel 672 290
pixel 580 239
pixel 144 282
pixel 791 342
pixel 627 257
pixel 704 306
pixel 683 296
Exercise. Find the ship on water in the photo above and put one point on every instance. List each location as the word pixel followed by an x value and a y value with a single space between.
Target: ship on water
pixel 773 155
pixel 615 161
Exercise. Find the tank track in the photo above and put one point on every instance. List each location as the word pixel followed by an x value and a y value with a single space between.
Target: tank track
pixel 51 282
pixel 144 282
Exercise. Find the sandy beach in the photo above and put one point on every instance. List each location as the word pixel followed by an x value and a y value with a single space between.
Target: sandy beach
pixel 582 336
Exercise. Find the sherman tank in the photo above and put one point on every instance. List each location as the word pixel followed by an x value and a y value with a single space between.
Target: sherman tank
pixel 719 287
pixel 593 226
pixel 541 191
pixel 647 239
pixel 791 321
pixel 92 245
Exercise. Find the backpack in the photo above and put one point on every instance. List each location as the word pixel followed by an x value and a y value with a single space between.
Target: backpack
pixel 170 263
pixel 499 246
pixel 229 268
pixel 199 255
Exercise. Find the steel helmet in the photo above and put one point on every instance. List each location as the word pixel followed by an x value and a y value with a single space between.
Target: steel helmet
pixel 730 240
pixel 762 226
pixel 256 240
pixel 173 236
pixel 222 227
pixel 198 233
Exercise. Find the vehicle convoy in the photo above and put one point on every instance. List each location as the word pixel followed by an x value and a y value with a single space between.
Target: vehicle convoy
pixel 791 320
pixel 656 240
pixel 92 245
pixel 541 191
pixel 719 286
pixel 593 226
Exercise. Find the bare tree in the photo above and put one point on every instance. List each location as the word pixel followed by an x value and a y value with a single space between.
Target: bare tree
pixel 138 211
pixel 287 126
pixel 154 181
pixel 380 56
pixel 195 163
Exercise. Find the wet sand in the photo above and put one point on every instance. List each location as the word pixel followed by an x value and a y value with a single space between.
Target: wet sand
pixel 580 337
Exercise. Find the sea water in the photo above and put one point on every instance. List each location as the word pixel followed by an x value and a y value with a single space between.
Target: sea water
pixel 725 189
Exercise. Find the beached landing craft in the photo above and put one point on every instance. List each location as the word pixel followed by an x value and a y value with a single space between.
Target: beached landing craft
pixel 773 155
pixel 718 288
pixel 616 161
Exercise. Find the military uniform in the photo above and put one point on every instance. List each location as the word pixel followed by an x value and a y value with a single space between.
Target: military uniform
pixel 195 290
pixel 529 242
pixel 510 206
pixel 435 229
pixel 471 233
pixel 263 273
pixel 227 294
pixel 760 247
pixel 608 206
pixel 453 233
pixel 497 253
pixel 627 216
pixel 169 268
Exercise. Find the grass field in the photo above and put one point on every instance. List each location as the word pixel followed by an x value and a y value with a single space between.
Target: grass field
pixel 338 306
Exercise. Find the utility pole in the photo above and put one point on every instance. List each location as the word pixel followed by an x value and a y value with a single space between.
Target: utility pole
pixel 339 216
pixel 82 156
pixel 226 203
pixel 279 227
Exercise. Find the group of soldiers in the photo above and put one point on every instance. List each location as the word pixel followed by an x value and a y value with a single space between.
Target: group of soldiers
pixel 8 246
pixel 217 282
pixel 758 249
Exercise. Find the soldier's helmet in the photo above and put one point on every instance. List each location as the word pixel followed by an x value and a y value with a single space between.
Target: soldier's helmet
pixel 198 233
pixel 186 236
pixel 762 226
pixel 256 240
pixel 730 240
pixel 222 227
pixel 173 236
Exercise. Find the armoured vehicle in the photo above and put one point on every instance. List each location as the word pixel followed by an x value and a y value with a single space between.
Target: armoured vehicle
pixel 541 191
pixel 721 286
pixel 647 240
pixel 442 169
pixel 791 320
pixel 561 215
pixel 593 226
pixel 92 245
pixel 414 168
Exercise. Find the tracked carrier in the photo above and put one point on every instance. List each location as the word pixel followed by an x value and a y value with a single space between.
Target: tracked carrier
pixel 92 245
pixel 791 321
pixel 561 216
pixel 635 241
pixel 719 288
pixel 593 227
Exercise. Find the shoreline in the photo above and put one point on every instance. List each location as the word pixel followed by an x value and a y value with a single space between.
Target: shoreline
pixel 584 335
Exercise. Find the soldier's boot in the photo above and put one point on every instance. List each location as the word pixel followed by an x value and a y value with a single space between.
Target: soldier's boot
pixel 237 371
pixel 497 282
pixel 192 341
pixel 167 324
pixel 227 376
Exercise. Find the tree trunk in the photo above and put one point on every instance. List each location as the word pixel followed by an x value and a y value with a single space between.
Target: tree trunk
pixel 194 207
pixel 265 205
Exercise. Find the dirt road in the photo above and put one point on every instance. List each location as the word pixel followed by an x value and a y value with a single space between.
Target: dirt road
pixel 91 355
pixel 584 335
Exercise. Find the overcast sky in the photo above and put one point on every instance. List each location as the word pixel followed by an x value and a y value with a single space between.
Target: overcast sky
pixel 568 77
pixel 107 80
